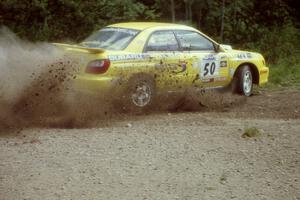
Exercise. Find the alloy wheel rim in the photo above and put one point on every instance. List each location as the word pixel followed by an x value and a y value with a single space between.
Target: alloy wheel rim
pixel 142 95
pixel 247 82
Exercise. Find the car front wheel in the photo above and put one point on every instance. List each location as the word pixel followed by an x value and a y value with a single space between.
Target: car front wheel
pixel 244 81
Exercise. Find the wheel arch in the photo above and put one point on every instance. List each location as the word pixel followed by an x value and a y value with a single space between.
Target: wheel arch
pixel 142 74
pixel 254 71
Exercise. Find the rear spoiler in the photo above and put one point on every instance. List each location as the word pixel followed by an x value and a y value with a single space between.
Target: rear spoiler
pixel 90 50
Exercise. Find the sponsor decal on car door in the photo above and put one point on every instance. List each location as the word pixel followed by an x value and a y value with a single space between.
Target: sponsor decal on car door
pixel 208 65
pixel 163 48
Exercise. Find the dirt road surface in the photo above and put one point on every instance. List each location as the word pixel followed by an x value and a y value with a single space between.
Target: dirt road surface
pixel 180 155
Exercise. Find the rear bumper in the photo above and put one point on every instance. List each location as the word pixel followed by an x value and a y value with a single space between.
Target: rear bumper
pixel 97 85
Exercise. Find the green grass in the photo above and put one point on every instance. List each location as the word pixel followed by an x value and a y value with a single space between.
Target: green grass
pixel 280 46
pixel 285 73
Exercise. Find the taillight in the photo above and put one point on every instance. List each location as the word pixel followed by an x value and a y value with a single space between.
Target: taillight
pixel 98 66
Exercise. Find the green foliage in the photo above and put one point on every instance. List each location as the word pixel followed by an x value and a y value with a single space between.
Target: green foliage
pixel 277 42
pixel 68 19
pixel 281 48
pixel 269 27
pixel 286 72
pixel 244 21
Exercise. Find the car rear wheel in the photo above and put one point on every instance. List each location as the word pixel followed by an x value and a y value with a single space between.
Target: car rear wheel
pixel 140 94
pixel 243 82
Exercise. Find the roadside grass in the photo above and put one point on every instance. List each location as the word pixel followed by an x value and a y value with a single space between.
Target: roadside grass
pixel 280 46
pixel 285 73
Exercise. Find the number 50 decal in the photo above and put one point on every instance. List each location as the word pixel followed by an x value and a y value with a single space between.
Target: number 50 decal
pixel 209 68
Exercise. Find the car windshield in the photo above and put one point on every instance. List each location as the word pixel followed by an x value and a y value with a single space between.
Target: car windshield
pixel 110 38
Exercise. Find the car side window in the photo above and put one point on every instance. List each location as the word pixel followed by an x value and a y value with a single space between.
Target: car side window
pixel 162 41
pixel 193 41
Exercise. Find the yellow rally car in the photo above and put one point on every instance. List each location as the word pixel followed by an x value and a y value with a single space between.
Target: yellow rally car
pixel 143 59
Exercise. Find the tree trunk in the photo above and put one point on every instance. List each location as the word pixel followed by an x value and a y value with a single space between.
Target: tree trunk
pixel 222 20
pixel 173 10
pixel 190 10
pixel 199 24
pixel 234 16
pixel 186 10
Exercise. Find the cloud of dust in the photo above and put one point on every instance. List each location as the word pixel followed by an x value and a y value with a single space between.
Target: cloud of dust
pixel 31 77
pixel 198 99
pixel 20 61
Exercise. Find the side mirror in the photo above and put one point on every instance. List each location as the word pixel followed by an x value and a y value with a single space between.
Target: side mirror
pixel 224 47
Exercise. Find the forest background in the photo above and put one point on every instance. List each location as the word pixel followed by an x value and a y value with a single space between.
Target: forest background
pixel 271 27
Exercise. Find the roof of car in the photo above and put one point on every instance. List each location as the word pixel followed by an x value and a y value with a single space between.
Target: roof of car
pixel 145 25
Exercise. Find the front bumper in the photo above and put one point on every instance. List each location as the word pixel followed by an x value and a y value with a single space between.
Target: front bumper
pixel 263 75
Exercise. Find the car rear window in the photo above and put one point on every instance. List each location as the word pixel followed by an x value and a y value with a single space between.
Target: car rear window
pixel 110 38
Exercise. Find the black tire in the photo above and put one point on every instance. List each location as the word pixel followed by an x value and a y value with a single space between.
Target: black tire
pixel 140 94
pixel 243 81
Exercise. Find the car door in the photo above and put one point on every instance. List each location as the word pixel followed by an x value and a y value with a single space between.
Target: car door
pixel 209 66
pixel 170 69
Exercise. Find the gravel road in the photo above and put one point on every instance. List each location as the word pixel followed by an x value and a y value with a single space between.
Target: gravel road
pixel 180 155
